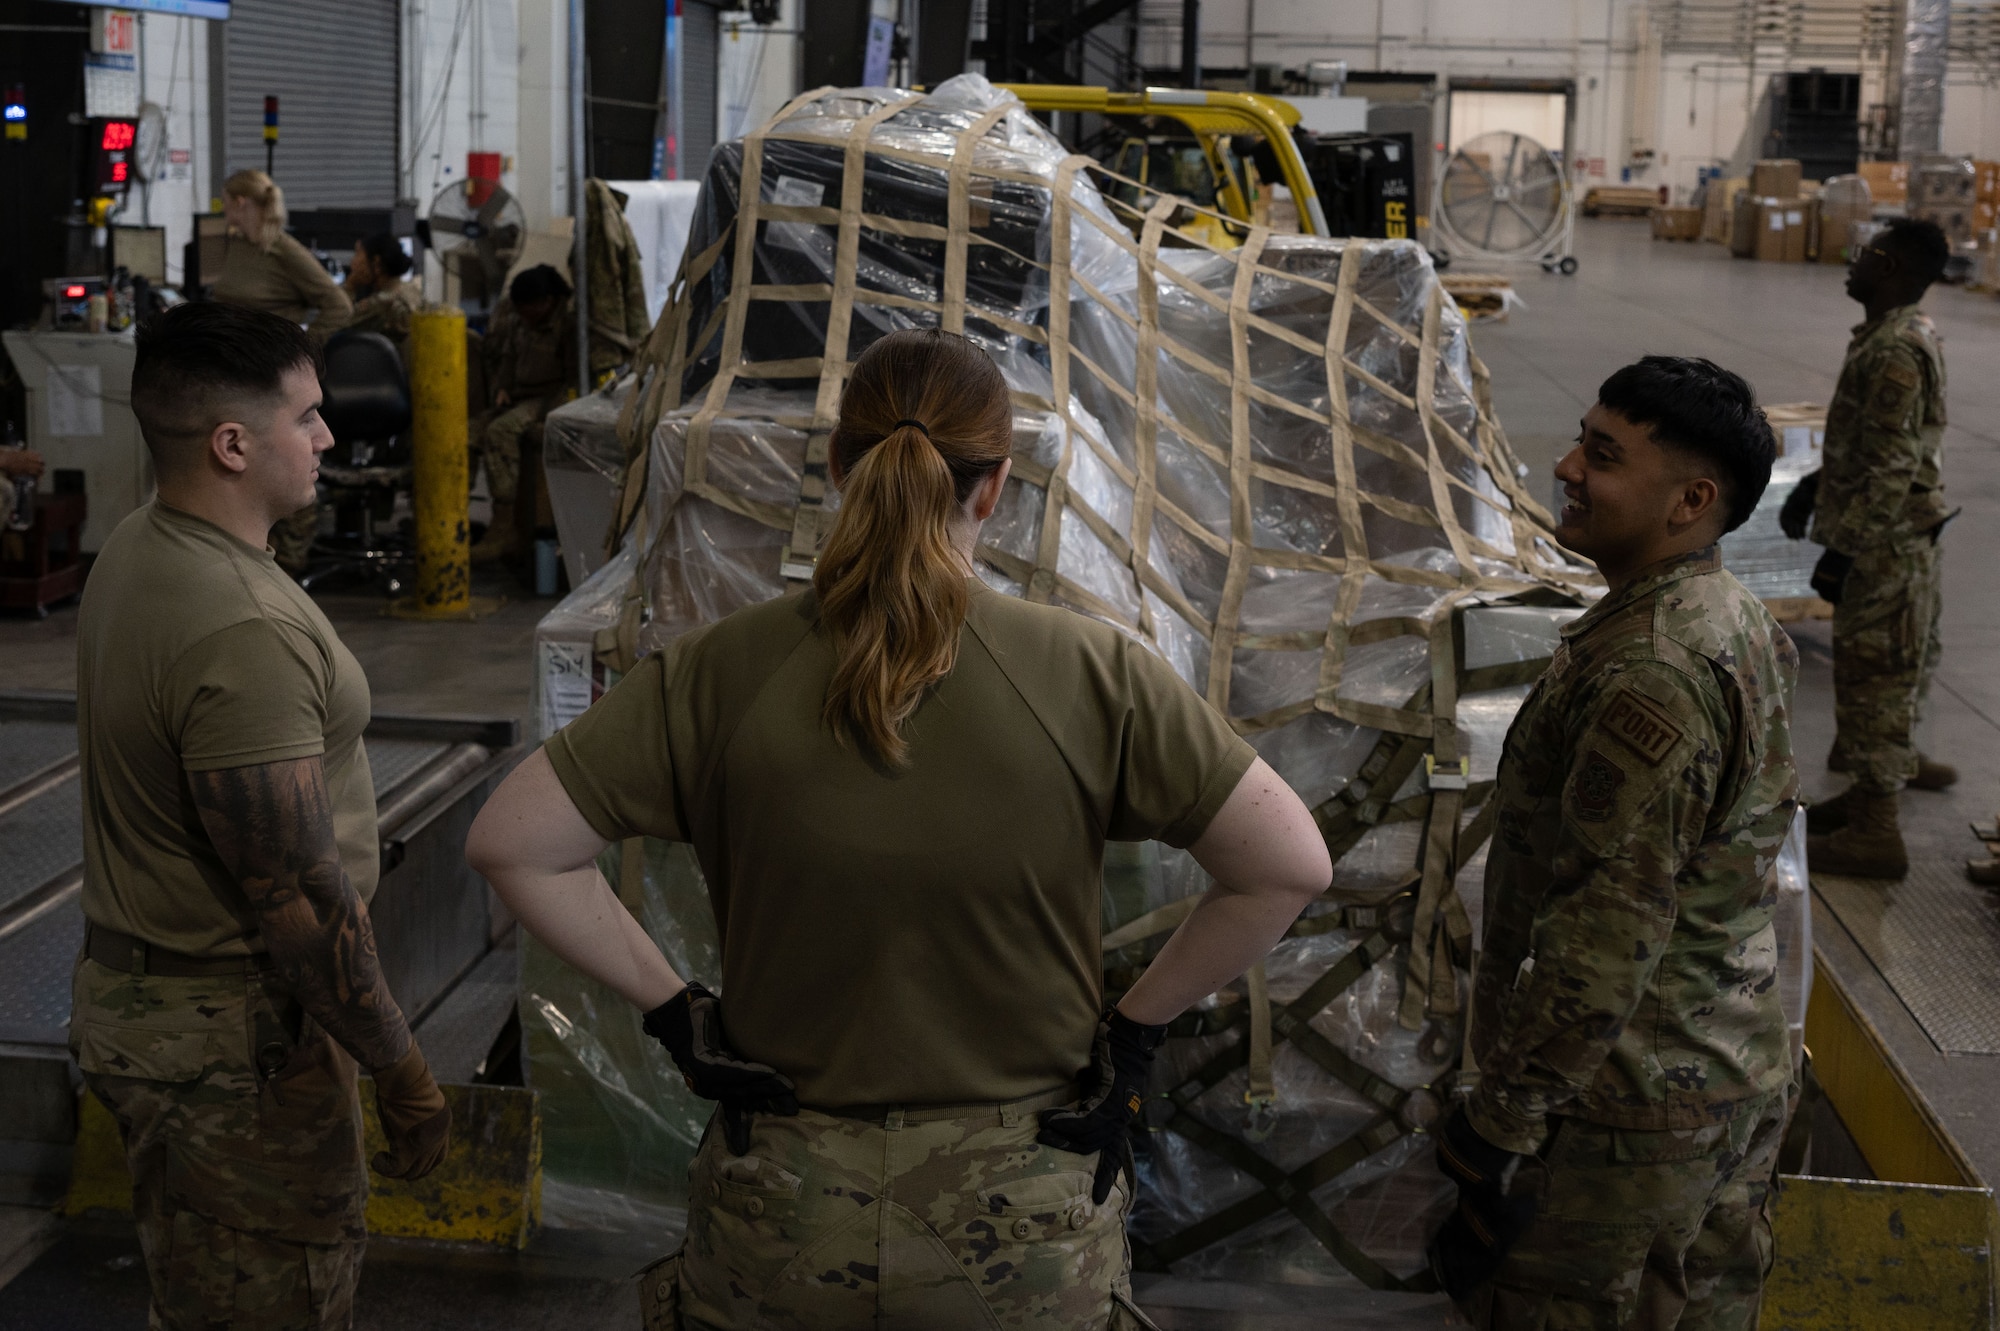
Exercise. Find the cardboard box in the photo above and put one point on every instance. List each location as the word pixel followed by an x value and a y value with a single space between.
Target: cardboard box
pixel 1746 217
pixel 1775 178
pixel 1770 244
pixel 1798 225
pixel 1844 200
pixel 1986 181
pixel 1677 223
pixel 1985 215
pixel 1719 208
pixel 1888 182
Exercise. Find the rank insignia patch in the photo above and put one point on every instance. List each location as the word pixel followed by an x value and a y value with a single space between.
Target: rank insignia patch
pixel 1596 789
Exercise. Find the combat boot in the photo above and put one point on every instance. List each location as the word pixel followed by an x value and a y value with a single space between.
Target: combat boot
pixel 1986 873
pixel 1830 815
pixel 1869 846
pixel 499 539
pixel 1933 775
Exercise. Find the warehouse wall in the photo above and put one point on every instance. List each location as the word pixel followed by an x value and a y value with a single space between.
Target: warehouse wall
pixel 1592 42
pixel 173 63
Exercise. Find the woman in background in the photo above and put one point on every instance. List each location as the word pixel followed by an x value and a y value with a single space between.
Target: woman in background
pixel 263 268
pixel 383 301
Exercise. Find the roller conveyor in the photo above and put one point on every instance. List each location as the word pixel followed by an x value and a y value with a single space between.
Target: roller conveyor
pixel 433 925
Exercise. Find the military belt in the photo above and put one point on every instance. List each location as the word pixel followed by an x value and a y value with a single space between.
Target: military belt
pixel 135 956
pixel 896 1116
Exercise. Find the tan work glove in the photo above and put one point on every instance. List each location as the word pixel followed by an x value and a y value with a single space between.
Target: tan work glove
pixel 415 1118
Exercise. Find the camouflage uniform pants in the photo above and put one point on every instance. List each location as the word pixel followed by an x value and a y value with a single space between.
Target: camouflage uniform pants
pixel 1643 1229
pixel 1884 653
pixel 929 1220
pixel 499 444
pixel 243 1133
pixel 292 537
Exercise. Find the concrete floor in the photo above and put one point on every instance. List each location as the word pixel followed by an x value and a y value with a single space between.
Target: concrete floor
pixel 1784 327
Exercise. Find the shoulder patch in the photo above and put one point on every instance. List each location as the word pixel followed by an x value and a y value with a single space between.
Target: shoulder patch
pixel 1896 371
pixel 1595 791
pixel 1643 725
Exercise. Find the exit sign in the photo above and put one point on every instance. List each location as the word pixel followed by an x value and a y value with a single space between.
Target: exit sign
pixel 114 32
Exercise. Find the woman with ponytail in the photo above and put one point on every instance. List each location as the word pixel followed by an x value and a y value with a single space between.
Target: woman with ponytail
pixel 263 268
pixel 899 784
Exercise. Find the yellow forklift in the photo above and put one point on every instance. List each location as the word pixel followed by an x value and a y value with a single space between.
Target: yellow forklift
pixel 1206 170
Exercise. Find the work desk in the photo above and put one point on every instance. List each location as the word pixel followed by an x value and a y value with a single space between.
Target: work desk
pixel 80 417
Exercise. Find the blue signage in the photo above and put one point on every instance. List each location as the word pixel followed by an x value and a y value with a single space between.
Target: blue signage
pixel 186 8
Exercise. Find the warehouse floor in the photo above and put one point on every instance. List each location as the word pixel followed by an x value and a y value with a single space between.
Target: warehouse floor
pixel 1784 326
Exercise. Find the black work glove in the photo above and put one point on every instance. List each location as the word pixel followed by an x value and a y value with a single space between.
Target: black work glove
pixel 689 1026
pixel 1796 515
pixel 1830 575
pixel 1467 1249
pixel 1114 1086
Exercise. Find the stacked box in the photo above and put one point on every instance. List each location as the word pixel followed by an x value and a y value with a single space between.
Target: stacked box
pixel 1773 230
pixel 1775 178
pixel 1719 208
pixel 1677 223
pixel 1844 200
pixel 1888 182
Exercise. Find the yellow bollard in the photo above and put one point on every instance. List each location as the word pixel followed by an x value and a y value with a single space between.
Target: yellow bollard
pixel 441 467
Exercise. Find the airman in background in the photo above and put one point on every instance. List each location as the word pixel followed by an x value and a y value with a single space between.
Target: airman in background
pixel 531 369
pixel 383 302
pixel 1878 506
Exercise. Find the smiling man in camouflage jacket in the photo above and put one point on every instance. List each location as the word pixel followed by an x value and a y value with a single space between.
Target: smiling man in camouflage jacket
pixel 1614 1159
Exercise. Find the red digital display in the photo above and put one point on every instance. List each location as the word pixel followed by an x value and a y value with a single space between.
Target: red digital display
pixel 118 135
pixel 119 170
pixel 74 291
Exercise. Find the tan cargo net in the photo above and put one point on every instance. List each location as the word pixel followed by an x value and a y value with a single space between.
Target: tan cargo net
pixel 1294 414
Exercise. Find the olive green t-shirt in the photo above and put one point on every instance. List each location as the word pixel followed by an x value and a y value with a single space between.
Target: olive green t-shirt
pixel 922 937
pixel 195 652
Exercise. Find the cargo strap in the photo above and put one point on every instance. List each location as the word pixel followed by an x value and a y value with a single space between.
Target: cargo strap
pixel 1291 1191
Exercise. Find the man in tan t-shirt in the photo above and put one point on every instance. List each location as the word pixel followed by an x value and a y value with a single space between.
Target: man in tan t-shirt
pixel 229 981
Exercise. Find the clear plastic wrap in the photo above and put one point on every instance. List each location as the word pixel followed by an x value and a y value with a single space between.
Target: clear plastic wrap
pixel 1765 560
pixel 1926 39
pixel 618 1121
pixel 583 461
pixel 1793 921
pixel 1329 496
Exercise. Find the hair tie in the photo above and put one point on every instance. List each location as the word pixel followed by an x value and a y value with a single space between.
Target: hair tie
pixel 918 425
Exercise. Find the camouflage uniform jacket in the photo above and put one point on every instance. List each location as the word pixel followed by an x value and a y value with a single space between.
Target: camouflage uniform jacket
pixel 527 360
pixel 1884 436
pixel 1628 975
pixel 387 311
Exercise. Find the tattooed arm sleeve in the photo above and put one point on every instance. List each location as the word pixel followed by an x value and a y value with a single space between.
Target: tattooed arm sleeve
pixel 272 824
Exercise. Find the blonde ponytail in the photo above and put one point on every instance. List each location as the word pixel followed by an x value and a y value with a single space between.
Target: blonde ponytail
pixel 925 417
pixel 263 191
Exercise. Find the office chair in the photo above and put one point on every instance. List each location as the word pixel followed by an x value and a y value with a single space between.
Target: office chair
pixel 366 404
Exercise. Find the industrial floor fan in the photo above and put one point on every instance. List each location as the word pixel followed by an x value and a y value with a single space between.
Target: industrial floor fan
pixel 1501 198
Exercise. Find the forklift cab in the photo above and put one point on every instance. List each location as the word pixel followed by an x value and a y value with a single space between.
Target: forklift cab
pixel 1185 146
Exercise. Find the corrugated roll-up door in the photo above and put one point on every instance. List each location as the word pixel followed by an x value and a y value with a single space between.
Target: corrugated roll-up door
pixel 701 36
pixel 332 66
